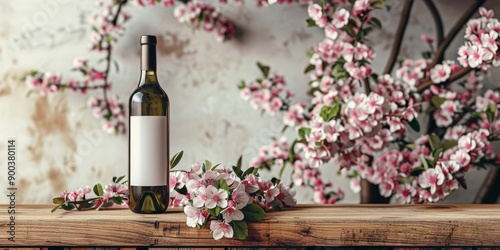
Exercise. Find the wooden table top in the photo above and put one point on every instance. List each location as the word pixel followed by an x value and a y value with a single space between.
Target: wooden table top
pixel 304 225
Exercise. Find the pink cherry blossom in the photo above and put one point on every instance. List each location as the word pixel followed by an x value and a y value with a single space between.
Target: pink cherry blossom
pixel 440 73
pixel 340 18
pixel 315 12
pixel 215 197
pixel 431 178
pixel 427 39
pixel 221 229
pixel 232 213
pixel 194 216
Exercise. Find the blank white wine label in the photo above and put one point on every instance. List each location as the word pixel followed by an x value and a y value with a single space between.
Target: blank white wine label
pixel 148 151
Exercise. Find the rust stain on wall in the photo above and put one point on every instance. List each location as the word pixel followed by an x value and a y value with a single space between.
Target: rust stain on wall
pixel 49 119
pixel 172 44
pixel 57 180
pixel 297 36
pixel 97 172
pixel 5 91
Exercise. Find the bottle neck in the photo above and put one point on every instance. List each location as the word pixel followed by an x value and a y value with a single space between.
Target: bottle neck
pixel 148 77
pixel 148 64
pixel 148 57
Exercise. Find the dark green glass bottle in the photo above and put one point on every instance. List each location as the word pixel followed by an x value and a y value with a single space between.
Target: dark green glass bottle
pixel 148 138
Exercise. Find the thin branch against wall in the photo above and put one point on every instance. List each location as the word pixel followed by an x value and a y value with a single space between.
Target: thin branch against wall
pixel 453 77
pixel 398 39
pixel 437 21
pixel 488 193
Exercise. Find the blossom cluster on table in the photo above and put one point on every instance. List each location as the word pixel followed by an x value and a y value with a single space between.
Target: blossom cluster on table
pixel 226 198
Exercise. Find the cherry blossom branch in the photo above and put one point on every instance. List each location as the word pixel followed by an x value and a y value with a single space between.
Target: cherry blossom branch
pixel 453 77
pixel 454 31
pixel 396 46
pixel 109 50
pixel 437 20
pixel 439 36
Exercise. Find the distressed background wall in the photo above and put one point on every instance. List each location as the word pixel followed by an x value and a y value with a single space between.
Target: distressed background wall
pixel 60 144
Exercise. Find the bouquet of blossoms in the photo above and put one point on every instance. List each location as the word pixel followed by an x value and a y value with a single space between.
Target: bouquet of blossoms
pixel 226 198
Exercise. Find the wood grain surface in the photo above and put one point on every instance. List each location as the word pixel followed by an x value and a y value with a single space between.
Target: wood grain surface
pixel 305 225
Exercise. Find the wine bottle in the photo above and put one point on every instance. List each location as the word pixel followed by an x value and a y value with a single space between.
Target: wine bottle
pixel 148 138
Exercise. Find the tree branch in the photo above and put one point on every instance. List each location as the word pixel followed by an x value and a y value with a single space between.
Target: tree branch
pixel 454 31
pixel 489 191
pixel 398 39
pixel 370 193
pixel 437 20
pixel 453 77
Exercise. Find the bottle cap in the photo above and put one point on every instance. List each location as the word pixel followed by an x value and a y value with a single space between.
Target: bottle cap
pixel 148 39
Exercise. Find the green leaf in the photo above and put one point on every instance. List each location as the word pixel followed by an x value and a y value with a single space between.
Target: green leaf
pixel 378 4
pixel 107 204
pixel 493 108
pixel 430 109
pixel 221 184
pixel 238 172
pixel 434 141
pixel 331 111
pixel 247 172
pixel 176 159
pixel 414 125
pixel 349 30
pixel 117 200
pixel 212 212
pixel 291 152
pixel 426 54
pixel 310 22
pixel 58 200
pixel 70 206
pixel 256 171
pixel 108 38
pixel 215 167
pixel 308 68
pixel 447 144
pixel 424 161
pixel 242 85
pixel 491 112
pixel 208 164
pixel 98 190
pixel 338 71
pixel 303 132
pixel 203 168
pixel 436 153
pixel 376 23
pixel 253 212
pixel 28 94
pixel 239 163
pixel 310 52
pixel 264 69
pixel 437 101
pixel 118 179
pixel 86 204
pixel 240 229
